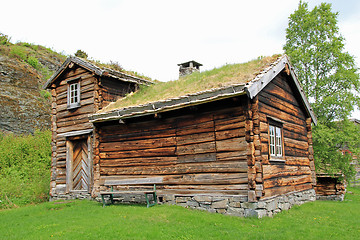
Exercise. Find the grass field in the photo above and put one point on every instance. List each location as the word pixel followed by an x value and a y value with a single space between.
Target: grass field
pixel 88 220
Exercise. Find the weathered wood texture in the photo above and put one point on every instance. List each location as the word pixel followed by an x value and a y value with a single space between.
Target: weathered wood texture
pixel 95 93
pixel 296 171
pixel 329 186
pixel 113 89
pixel 203 153
pixel 66 120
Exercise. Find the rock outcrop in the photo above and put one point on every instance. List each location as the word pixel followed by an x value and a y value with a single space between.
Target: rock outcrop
pixel 24 107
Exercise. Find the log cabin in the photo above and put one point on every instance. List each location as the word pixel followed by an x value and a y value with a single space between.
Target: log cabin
pixel 79 88
pixel 237 142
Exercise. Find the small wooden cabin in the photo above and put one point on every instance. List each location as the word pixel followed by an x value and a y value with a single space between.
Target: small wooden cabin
pixel 242 148
pixel 80 88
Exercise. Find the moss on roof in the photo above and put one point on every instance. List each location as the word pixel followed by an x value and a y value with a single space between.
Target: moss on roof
pixel 216 78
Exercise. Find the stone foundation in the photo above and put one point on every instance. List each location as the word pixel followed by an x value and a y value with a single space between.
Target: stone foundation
pixel 239 206
pixel 338 197
pixel 72 195
pixel 230 205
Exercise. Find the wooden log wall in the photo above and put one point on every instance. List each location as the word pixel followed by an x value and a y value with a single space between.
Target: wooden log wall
pixel 330 186
pixel 194 154
pixel 296 171
pixel 113 89
pixel 255 178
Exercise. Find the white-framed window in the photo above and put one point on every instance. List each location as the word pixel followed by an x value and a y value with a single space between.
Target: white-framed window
pixel 276 140
pixel 73 95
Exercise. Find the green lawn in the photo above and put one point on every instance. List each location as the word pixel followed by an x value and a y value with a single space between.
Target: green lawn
pixel 89 220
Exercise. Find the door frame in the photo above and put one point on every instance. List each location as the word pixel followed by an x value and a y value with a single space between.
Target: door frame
pixel 69 161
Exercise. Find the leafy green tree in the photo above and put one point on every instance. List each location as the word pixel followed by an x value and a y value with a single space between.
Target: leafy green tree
pixel 330 80
pixel 335 145
pixel 327 73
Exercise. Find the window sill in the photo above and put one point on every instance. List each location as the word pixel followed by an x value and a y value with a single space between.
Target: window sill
pixel 73 106
pixel 277 160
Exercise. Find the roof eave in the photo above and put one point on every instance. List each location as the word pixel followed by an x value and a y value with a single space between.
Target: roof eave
pixel 170 104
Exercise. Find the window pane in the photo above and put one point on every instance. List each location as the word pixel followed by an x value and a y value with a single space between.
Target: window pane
pixel 74 93
pixel 272 140
pixel 278 142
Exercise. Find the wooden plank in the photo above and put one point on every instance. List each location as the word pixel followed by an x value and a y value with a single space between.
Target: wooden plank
pixel 271 111
pixel 183 179
pixel 79 111
pixel 195 138
pixel 139 161
pixel 233 133
pixel 233 144
pixel 196 129
pixel 83 102
pixel 287 181
pixel 210 188
pixel 282 105
pixel 191 120
pixel 137 135
pixel 230 124
pixel 164 151
pixel 269 192
pixel 137 144
pixel 297 160
pixel 208 167
pixel 206 147
pixel 82 126
pixel 279 92
pixel 293 152
pixel 292 143
pixel 275 171
pixel 232 156
pixel 151 180
pixel 62 99
pixel 193 158
pixel 86 79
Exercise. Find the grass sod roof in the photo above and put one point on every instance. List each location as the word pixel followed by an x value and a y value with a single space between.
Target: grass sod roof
pixel 216 78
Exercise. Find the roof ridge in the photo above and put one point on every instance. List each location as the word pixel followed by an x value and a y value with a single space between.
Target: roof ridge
pixel 97 70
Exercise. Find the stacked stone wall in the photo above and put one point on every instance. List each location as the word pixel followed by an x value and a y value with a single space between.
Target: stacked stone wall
pixel 231 205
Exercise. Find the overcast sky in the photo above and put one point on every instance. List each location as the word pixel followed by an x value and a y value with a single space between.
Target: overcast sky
pixel 152 37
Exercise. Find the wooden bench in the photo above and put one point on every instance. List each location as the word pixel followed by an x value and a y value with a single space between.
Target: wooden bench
pixel 145 181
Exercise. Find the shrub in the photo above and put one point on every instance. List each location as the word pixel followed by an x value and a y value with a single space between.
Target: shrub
pixel 45 94
pixel 4 39
pixel 81 54
pixel 24 169
pixel 33 61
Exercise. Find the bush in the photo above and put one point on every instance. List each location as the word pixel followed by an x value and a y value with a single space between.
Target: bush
pixel 45 94
pixel 33 61
pixel 24 169
pixel 81 54
pixel 4 39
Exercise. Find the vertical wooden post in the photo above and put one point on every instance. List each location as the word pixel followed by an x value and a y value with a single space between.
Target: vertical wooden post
pixel 69 160
pixel 252 136
pixel 96 163
pixel 96 141
pixel 311 151
pixel 53 143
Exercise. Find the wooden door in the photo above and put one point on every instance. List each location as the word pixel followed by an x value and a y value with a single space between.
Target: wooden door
pixel 80 165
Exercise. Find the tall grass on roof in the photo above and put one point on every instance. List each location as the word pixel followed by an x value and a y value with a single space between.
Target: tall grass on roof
pixel 196 82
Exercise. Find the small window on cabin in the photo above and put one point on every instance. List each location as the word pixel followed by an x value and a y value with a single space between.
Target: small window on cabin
pixel 275 140
pixel 73 95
